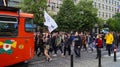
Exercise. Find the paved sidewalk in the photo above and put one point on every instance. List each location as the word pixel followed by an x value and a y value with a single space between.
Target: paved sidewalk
pixel 87 60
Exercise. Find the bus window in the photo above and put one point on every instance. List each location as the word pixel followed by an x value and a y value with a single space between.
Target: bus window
pixel 29 27
pixel 8 26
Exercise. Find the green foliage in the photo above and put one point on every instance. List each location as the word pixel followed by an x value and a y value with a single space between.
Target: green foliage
pixel 114 23
pixel 36 7
pixel 79 17
pixel 65 17
pixel 111 23
pixel 100 22
pixel 117 21
pixel 86 15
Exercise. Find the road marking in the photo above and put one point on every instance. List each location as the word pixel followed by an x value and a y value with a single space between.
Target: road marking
pixel 118 55
pixel 118 58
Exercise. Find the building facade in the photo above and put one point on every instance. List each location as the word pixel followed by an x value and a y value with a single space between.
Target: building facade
pixel 106 8
pixel 54 5
pixel 13 3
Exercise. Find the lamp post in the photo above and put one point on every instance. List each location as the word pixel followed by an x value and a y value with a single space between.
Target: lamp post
pixel 96 28
pixel 99 50
pixel 105 28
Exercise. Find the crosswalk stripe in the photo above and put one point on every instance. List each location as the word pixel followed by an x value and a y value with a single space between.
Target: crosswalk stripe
pixel 118 58
pixel 118 55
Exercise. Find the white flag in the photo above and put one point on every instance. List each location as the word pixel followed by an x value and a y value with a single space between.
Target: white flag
pixel 49 22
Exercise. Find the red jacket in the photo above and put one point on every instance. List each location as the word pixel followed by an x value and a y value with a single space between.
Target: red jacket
pixel 99 42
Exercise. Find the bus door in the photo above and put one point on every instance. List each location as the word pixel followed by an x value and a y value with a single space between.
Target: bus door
pixel 26 38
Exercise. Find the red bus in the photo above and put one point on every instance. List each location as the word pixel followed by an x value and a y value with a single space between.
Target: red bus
pixel 16 36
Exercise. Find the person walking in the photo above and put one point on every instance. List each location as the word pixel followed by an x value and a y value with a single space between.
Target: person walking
pixel 40 46
pixel 109 41
pixel 89 42
pixel 47 46
pixel 67 45
pixel 54 47
pixel 58 43
pixel 98 44
pixel 36 37
pixel 77 44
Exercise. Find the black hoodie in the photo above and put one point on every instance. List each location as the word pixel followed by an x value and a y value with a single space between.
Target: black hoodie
pixel 78 41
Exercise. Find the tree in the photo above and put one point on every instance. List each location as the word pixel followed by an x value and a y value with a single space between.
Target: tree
pixel 36 7
pixel 86 15
pixel 100 22
pixel 111 23
pixel 114 23
pixel 117 21
pixel 65 17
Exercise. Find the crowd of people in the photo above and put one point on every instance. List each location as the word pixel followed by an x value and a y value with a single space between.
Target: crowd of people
pixel 46 43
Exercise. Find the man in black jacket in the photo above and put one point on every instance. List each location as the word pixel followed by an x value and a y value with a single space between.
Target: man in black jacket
pixel 77 44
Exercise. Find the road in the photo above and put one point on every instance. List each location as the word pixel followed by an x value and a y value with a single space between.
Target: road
pixel 87 59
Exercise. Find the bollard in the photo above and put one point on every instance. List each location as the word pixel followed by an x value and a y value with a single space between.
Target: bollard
pixel 71 60
pixel 99 58
pixel 71 57
pixel 115 54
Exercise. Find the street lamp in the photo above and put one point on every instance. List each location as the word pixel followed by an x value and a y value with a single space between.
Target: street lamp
pixel 105 27
pixel 96 28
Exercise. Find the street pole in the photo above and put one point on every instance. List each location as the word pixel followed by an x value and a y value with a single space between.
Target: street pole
pixel 99 58
pixel 71 60
pixel 71 57
pixel 115 54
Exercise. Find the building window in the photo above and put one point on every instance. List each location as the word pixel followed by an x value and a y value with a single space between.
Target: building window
pixel 99 5
pixel 115 9
pixel 109 8
pixel 52 6
pixel 99 14
pixel 115 3
pixel 109 1
pixel 103 14
pixel 112 2
pixel 112 15
pixel 106 1
pixel 103 6
pixel 95 4
pixel 109 15
pixel 106 15
pixel 75 1
pixel 106 7
pixel 112 9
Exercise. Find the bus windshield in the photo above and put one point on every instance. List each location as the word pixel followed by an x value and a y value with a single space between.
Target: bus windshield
pixel 8 26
